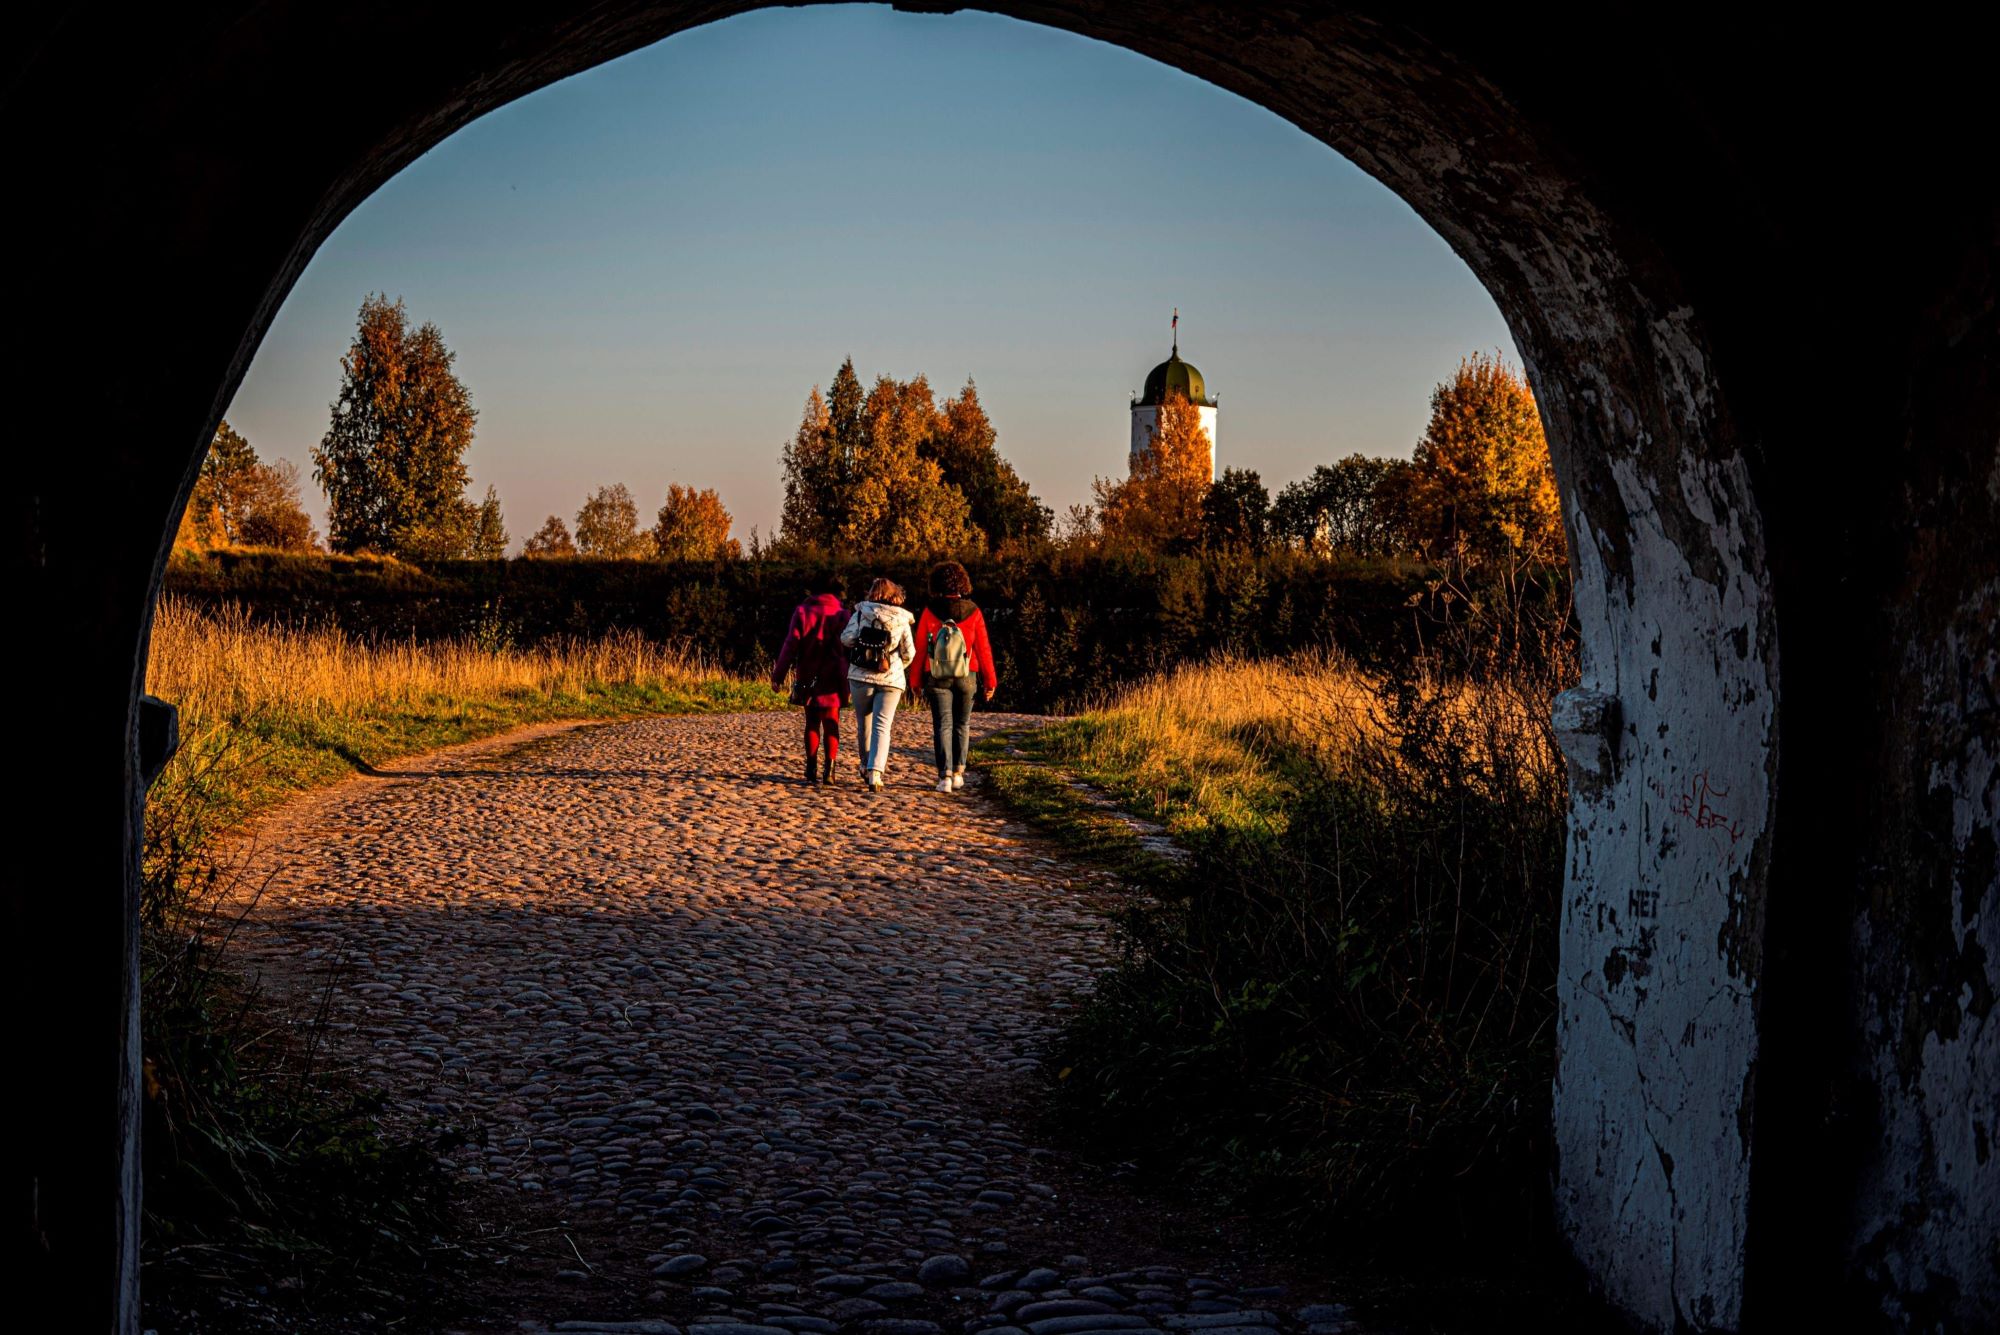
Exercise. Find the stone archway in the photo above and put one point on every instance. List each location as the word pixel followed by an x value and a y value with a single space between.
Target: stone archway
pixel 1778 1062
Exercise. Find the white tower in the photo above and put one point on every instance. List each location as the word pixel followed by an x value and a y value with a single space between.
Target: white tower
pixel 1172 376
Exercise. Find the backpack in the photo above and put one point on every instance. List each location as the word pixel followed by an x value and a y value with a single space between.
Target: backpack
pixel 949 659
pixel 871 648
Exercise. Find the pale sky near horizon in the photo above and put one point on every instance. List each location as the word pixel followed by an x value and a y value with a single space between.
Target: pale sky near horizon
pixel 644 268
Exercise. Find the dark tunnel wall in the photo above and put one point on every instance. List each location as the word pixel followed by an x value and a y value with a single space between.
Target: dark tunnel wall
pixel 1752 269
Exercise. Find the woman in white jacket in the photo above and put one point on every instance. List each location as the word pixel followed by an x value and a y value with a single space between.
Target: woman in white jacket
pixel 880 650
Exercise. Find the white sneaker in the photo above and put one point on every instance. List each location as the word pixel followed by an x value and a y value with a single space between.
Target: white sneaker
pixel 944 785
pixel 874 781
pixel 957 781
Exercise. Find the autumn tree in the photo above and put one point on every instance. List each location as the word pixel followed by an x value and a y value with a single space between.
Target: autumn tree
pixel 392 462
pixel 241 501
pixel 1348 507
pixel 813 482
pixel 489 529
pixel 899 501
pixel 551 540
pixel 607 527
pixel 227 478
pixel 1236 511
pixel 965 445
pixel 862 472
pixel 847 429
pixel 1077 529
pixel 271 513
pixel 214 513
pixel 1160 504
pixel 1480 483
pixel 693 526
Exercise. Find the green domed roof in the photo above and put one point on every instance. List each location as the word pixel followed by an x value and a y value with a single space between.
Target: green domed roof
pixel 1174 376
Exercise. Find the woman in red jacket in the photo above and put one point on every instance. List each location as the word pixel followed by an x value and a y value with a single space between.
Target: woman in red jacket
pixel 954 659
pixel 812 648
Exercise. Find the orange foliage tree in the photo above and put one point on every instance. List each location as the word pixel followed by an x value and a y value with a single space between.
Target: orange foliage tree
pixel 816 470
pixel 392 461
pixel 895 471
pixel 693 526
pixel 1160 505
pixel 1480 483
pixel 964 443
pixel 900 501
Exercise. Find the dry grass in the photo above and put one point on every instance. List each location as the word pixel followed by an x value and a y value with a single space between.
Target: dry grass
pixel 1339 1009
pixel 1311 697
pixel 1225 744
pixel 270 710
pixel 222 665
pixel 1215 744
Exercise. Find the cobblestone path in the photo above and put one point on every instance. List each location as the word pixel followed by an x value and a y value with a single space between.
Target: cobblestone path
pixel 764 1036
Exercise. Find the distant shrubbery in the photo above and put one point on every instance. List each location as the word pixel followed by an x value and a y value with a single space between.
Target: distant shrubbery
pixel 1066 627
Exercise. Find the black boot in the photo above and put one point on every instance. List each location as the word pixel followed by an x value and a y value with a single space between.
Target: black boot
pixel 812 770
pixel 826 768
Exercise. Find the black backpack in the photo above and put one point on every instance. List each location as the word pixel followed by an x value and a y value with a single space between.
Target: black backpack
pixel 871 647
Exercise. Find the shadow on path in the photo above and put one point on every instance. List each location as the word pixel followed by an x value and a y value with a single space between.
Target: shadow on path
pixel 756 1053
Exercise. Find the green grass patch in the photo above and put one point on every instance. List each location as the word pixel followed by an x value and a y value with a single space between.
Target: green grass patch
pixel 1229 782
pixel 1020 773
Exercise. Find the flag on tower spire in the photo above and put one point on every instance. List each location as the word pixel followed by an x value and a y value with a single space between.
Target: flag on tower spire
pixel 1177 331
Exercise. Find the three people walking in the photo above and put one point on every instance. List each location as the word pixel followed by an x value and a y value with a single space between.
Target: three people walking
pixel 954 662
pixel 871 655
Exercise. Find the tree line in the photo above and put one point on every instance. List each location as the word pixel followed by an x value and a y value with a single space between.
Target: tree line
pixel 690 526
pixel 886 470
pixel 1478 487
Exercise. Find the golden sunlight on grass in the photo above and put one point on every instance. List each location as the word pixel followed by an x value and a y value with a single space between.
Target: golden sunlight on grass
pixel 1224 744
pixel 220 664
pixel 269 711
pixel 1211 743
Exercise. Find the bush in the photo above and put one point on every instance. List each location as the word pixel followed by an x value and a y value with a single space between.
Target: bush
pixel 1342 1009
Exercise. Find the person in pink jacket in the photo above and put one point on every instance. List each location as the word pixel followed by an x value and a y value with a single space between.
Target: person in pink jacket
pixel 812 652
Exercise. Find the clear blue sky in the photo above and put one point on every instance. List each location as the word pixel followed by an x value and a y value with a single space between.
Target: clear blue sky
pixel 643 269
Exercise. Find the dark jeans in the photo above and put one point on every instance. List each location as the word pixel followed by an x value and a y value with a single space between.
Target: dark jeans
pixel 951 724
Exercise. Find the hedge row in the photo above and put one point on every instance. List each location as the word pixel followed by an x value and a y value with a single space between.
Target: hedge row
pixel 1063 627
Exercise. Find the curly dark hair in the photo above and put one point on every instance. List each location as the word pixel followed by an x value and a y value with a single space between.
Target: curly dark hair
pixel 949 580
